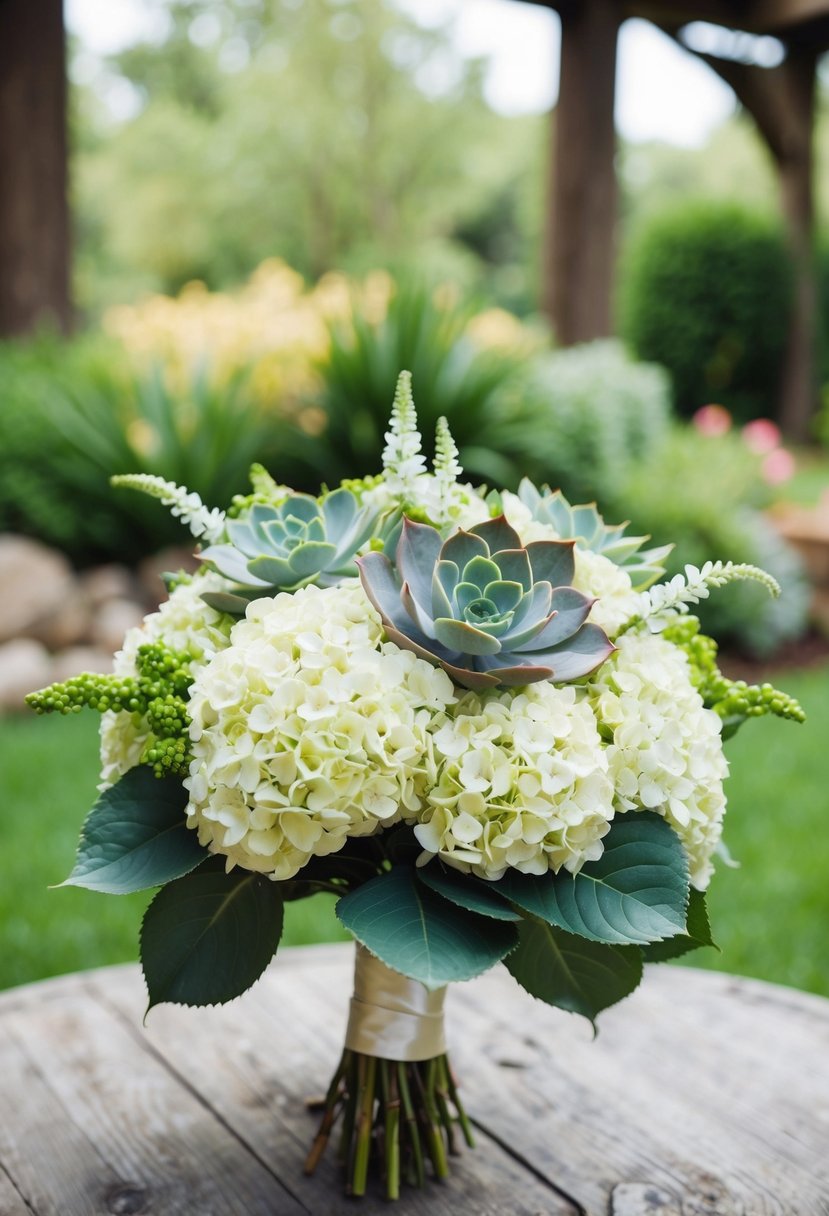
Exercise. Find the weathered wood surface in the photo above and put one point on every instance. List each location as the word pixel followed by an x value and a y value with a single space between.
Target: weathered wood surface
pixel 703 1095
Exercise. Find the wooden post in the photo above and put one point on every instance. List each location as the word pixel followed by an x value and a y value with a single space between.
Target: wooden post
pixel 580 247
pixel 34 220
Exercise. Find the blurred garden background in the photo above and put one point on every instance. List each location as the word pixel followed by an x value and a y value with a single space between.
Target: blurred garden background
pixel 275 206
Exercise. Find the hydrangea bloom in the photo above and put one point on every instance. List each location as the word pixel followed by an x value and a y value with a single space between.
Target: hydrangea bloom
pixel 307 730
pixel 521 781
pixel 664 748
pixel 186 624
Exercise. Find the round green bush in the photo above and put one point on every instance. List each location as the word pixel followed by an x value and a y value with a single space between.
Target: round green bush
pixel 706 292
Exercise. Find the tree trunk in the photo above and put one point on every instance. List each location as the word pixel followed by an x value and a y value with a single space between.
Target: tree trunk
pixel 34 219
pixel 580 244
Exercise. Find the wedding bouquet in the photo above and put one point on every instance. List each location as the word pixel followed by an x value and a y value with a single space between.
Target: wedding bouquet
pixel 475 717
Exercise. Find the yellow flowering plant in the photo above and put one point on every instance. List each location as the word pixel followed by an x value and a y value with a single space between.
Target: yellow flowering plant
pixel 477 718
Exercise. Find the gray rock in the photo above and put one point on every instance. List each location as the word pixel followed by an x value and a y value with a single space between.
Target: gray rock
pixel 24 666
pixel 111 623
pixel 35 580
pixel 76 659
pixel 67 625
pixel 112 582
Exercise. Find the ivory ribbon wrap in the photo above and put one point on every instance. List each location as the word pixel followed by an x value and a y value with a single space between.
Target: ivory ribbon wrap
pixel 393 1017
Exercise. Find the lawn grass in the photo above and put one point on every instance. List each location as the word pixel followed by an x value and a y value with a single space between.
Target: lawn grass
pixel 48 774
pixel 770 917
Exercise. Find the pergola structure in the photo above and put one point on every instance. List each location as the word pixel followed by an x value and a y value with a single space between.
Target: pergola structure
pixel 580 252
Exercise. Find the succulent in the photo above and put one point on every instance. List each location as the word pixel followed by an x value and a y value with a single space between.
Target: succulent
pixel 585 525
pixel 483 607
pixel 280 548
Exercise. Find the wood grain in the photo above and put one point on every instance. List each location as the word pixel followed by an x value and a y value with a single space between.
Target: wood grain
pixel 702 1096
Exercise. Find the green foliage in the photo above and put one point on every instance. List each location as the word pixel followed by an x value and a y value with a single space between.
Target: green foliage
pixel 707 293
pixel 208 936
pixel 467 892
pixel 74 413
pixel 572 973
pixel 702 494
pixel 697 934
pixel 415 931
pixel 136 837
pixel 590 414
pixel 636 893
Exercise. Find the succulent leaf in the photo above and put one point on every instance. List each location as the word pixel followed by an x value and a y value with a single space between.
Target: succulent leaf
pixel 282 547
pixel 488 615
pixel 585 525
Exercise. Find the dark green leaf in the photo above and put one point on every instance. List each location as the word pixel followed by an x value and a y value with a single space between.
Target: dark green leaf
pixel 698 934
pixel 416 932
pixel 208 936
pixel 136 836
pixel 636 892
pixel 467 892
pixel 580 976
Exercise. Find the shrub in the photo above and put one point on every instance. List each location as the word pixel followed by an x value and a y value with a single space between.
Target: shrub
pixel 706 292
pixel 73 413
pixel 595 414
pixel 705 493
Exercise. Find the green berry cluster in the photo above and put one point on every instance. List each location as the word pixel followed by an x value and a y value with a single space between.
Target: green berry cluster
pixel 733 700
pixel 159 694
pixel 89 690
pixel 265 491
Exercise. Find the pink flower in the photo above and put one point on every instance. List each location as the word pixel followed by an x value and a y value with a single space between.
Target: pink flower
pixel 712 420
pixel 778 466
pixel 761 436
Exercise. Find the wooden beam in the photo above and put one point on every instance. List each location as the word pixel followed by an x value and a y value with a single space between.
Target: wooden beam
pixel 580 246
pixel 753 16
pixel 34 218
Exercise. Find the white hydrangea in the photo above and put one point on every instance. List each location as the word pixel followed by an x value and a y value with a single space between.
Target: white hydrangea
pixel 185 623
pixel 595 574
pixel 307 730
pixel 616 600
pixel 521 518
pixel 665 749
pixel 521 781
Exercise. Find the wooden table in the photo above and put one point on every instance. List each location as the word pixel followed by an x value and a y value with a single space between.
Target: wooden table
pixel 703 1094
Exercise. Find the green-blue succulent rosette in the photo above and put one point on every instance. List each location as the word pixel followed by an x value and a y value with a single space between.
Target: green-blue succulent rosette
pixel 488 610
pixel 459 622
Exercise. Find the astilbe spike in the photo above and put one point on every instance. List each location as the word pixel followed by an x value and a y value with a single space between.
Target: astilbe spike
pixel 403 460
pixel 446 466
pixel 186 505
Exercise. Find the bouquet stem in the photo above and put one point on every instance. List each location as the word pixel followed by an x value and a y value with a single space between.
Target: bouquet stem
pixel 398 1114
